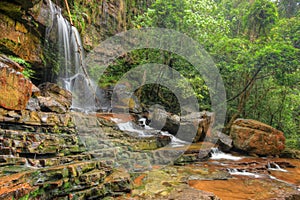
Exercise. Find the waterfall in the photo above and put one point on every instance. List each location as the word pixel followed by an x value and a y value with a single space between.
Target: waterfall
pixel 216 154
pixel 70 56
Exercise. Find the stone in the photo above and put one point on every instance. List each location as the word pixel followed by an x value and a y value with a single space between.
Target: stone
pixel 186 192
pixel 255 137
pixel 60 95
pixel 6 61
pixel 193 127
pixel 122 100
pixel 49 104
pixel 223 141
pixel 16 39
pixel 35 91
pixel 15 89
pixel 33 105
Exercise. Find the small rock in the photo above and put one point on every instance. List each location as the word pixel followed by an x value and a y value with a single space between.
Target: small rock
pixel 223 141
pixel 33 104
pixel 50 104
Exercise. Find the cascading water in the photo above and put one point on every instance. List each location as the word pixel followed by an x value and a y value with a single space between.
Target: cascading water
pixel 275 167
pixel 216 154
pixel 70 56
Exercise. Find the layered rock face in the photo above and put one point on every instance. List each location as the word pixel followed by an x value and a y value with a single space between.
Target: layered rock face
pixel 23 26
pixel 256 137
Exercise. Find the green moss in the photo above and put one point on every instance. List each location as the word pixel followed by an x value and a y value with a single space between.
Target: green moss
pixel 11 9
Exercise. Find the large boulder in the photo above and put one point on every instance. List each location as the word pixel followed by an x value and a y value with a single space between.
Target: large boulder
pixel 15 89
pixel 258 138
pixel 193 127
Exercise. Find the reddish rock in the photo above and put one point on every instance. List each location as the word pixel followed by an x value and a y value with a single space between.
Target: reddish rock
pixel 258 138
pixel 15 89
pixel 6 61
pixel 15 38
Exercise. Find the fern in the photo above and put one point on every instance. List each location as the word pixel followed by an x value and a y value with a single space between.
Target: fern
pixel 27 72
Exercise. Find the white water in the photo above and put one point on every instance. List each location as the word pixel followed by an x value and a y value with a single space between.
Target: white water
pixel 142 122
pixel 276 167
pixel 243 173
pixel 216 154
pixel 175 142
pixel 131 127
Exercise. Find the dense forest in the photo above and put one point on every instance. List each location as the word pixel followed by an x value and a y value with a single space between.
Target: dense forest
pixel 255 45
pixel 150 99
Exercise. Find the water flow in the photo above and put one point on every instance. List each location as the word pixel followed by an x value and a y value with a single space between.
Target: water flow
pixel 216 154
pixel 131 127
pixel 243 173
pixel 143 130
pixel 275 167
pixel 72 73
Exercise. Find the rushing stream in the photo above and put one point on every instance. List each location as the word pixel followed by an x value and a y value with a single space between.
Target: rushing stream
pixel 143 130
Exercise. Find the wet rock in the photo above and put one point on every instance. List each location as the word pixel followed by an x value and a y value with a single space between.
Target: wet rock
pixel 39 144
pixel 149 143
pixel 257 138
pixel 162 120
pixel 57 94
pixel 15 89
pixel 193 127
pixel 33 105
pixel 223 141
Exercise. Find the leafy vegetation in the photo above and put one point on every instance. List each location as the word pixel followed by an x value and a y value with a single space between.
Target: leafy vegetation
pixel 27 72
pixel 255 45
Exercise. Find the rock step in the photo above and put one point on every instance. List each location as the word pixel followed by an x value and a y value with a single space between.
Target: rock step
pixel 20 142
pixel 115 185
pixel 11 160
pixel 82 179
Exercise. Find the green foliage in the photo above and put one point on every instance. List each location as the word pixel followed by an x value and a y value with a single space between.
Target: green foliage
pixel 287 30
pixel 27 72
pixel 234 11
pixel 260 18
pixel 288 8
pixel 80 17
pixel 200 20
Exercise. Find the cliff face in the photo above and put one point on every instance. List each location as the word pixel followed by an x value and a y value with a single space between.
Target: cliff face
pixel 23 24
